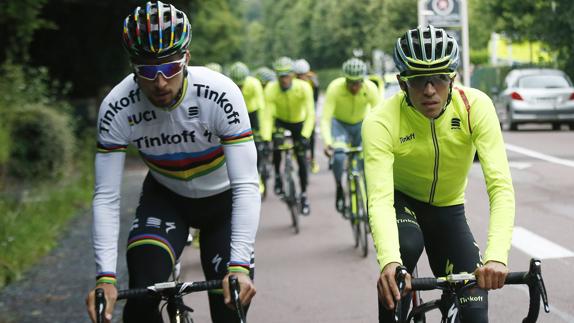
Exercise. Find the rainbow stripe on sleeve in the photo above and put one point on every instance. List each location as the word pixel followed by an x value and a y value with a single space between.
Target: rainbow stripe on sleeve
pixel 241 137
pixel 101 148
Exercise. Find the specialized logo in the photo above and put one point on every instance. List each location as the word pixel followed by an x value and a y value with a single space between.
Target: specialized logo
pixel 455 123
pixel 452 313
pixel 141 116
pixel 165 139
pixel 205 92
pixel 216 261
pixel 407 138
pixel 116 107
pixel 169 226
pixel 193 112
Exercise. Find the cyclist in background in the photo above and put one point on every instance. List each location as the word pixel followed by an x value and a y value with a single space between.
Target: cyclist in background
pixel 379 82
pixel 419 146
pixel 348 99
pixel 214 67
pixel 290 104
pixel 265 75
pixel 253 95
pixel 191 128
pixel 303 72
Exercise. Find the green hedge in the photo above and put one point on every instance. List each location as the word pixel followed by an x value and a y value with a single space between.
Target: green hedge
pixel 327 75
pixel 42 143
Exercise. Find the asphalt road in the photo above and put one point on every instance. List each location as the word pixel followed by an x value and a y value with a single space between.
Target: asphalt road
pixel 317 275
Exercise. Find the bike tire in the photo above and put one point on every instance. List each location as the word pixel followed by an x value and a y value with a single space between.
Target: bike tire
pixel 352 216
pixel 362 220
pixel 293 205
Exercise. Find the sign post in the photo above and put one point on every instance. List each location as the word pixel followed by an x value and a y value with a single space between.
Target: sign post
pixel 451 15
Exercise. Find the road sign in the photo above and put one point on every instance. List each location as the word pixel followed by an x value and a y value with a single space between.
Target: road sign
pixel 452 16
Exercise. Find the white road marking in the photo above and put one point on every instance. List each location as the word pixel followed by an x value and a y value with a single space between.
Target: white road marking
pixel 519 165
pixel 537 246
pixel 535 154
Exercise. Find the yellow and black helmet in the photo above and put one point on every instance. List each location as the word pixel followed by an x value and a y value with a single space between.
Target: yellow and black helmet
pixel 426 50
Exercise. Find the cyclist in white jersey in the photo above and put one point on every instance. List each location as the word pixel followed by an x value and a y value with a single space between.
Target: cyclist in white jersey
pixel 191 128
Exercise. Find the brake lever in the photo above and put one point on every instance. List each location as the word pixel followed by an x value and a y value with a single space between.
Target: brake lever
pixel 400 275
pixel 234 288
pixel 100 303
pixel 536 272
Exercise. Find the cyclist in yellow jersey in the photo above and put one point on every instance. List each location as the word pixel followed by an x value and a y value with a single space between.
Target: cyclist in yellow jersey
pixel 303 72
pixel 253 95
pixel 419 146
pixel 265 75
pixel 347 101
pixel 290 104
pixel 379 82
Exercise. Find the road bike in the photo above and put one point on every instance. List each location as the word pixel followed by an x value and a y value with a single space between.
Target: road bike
pixel 449 303
pixel 172 294
pixel 290 191
pixel 356 210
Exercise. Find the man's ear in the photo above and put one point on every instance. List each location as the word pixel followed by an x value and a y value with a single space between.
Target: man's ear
pixel 402 84
pixel 187 57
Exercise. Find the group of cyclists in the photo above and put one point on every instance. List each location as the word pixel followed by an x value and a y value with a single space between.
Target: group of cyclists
pixel 200 136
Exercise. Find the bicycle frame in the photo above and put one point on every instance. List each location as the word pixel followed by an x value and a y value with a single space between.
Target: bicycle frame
pixel 356 211
pixel 449 304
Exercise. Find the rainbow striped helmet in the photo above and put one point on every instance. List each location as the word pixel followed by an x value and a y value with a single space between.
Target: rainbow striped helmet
pixel 159 30
pixel 426 50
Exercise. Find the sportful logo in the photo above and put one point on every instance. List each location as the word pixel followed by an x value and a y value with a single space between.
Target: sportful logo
pixel 407 138
pixel 455 123
pixel 193 112
pixel 115 108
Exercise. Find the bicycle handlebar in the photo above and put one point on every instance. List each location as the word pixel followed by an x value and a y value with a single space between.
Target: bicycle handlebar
pixel 532 278
pixel 171 289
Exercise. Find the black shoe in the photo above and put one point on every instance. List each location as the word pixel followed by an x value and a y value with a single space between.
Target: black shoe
pixel 340 200
pixel 278 186
pixel 305 208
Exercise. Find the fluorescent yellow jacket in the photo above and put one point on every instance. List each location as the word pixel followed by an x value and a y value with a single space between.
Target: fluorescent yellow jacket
pixel 429 160
pixel 293 105
pixel 253 94
pixel 344 106
pixel 254 99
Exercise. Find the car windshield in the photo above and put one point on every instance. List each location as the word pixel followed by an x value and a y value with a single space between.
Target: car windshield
pixel 543 82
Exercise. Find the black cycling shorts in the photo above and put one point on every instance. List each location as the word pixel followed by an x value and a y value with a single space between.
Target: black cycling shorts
pixel 445 235
pixel 158 235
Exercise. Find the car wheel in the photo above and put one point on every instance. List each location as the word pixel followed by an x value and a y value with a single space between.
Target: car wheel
pixel 571 126
pixel 511 125
pixel 555 126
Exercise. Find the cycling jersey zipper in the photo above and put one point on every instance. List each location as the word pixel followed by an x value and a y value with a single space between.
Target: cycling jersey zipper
pixel 436 159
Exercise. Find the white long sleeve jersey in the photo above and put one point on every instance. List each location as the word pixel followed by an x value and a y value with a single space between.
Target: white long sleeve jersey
pixel 201 146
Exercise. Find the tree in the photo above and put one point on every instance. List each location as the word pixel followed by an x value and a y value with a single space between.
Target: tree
pixel 547 21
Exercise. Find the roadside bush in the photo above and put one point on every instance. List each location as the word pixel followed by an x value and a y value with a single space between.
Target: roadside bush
pixel 327 75
pixel 42 143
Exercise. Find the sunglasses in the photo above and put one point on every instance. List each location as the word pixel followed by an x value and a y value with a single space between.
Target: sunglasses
pixel 168 70
pixel 420 82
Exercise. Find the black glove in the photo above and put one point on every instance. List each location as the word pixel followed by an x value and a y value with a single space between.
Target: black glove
pixel 305 143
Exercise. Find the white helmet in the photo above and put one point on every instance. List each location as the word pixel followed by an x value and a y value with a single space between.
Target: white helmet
pixel 301 66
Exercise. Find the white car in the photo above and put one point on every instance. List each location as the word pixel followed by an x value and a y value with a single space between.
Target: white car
pixel 536 95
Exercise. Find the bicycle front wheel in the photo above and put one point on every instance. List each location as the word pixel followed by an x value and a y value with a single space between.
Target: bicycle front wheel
pixel 292 204
pixel 362 218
